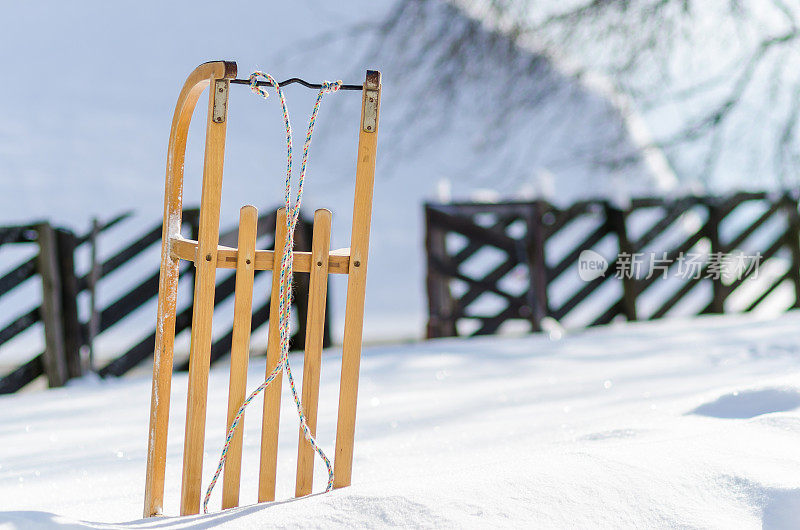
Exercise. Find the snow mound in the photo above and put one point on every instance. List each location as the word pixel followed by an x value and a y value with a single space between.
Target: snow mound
pixel 664 424
pixel 751 403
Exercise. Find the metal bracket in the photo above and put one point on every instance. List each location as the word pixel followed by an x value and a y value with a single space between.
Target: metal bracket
pixel 370 110
pixel 220 110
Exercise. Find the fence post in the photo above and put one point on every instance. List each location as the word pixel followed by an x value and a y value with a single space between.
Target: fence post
pixel 789 204
pixel 193 218
pixel 712 231
pixel 537 267
pixel 615 219
pixel 95 273
pixel 441 305
pixel 54 362
pixel 73 337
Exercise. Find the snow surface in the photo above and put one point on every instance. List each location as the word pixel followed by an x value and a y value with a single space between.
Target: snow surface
pixel 689 423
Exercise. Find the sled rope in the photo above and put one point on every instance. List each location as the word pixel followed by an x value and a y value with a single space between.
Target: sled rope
pixel 285 292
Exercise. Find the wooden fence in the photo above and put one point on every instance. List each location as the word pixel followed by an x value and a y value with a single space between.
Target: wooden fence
pixel 69 336
pixel 53 266
pixel 491 265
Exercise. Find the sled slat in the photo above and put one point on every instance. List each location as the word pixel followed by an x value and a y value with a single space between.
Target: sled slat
pixel 356 285
pixel 317 296
pixel 240 350
pixel 168 281
pixel 200 347
pixel 272 394
pixel 186 249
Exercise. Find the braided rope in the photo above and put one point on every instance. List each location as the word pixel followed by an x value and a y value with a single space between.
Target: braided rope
pixel 285 292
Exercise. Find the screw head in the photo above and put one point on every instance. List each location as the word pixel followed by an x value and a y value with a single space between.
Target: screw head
pixel 208 257
pixel 319 264
pixel 356 263
pixel 247 261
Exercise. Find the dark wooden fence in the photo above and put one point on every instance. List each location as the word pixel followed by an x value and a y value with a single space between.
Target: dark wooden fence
pixel 69 337
pixel 54 268
pixel 489 265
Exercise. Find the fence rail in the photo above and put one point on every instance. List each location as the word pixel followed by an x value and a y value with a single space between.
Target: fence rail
pixel 524 257
pixel 69 336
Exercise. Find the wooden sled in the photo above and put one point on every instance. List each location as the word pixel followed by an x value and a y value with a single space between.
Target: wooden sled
pixel 208 256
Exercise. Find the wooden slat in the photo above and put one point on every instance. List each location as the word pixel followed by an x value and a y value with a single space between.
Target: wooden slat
pixel 441 322
pixel 485 283
pixel 672 256
pixel 185 249
pixel 616 220
pixel 144 348
pixel 102 227
pixel 200 345
pixel 272 394
pixel 197 81
pixel 54 359
pixel 738 240
pixel 538 301
pixel 572 257
pixel 17 275
pixel 678 295
pixel 466 227
pixel 768 291
pixel 18 234
pixel 488 283
pixel 582 294
pixel 609 314
pixel 711 230
pixel 773 249
pixel 20 324
pixel 70 320
pixel 789 207
pixel 473 246
pixel 660 226
pixel 23 375
pixel 315 323
pixel 129 252
pixel 356 285
pixel 89 283
pixel 565 217
pixel 240 350
pixel 514 208
pixel 128 303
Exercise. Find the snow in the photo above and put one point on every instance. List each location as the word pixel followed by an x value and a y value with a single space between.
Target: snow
pixel 682 423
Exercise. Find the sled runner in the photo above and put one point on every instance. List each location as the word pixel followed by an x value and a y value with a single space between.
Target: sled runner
pixel 208 256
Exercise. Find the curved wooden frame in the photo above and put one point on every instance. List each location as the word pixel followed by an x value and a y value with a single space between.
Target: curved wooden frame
pixel 208 255
pixel 202 77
